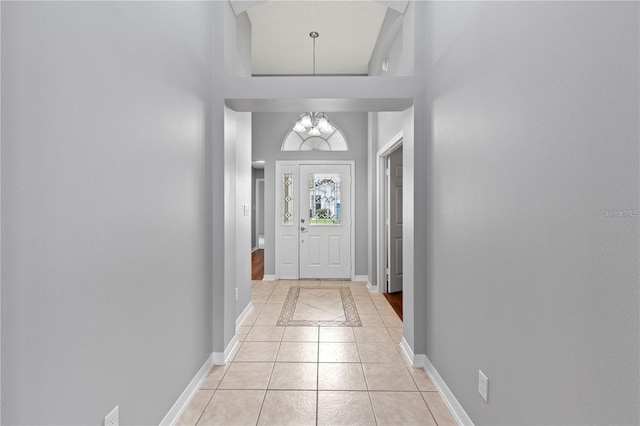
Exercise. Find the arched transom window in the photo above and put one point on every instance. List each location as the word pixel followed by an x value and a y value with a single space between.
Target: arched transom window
pixel 335 141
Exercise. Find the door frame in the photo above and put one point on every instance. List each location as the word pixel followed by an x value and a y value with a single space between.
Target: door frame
pixel 381 204
pixel 278 207
pixel 259 216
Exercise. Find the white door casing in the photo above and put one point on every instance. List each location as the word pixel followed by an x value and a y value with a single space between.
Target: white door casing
pixel 381 210
pixel 334 244
pixel 325 221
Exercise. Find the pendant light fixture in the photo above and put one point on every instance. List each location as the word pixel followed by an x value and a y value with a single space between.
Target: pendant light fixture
pixel 314 123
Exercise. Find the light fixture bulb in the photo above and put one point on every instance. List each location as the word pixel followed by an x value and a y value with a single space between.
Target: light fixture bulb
pixel 324 126
pixel 299 127
pixel 313 124
pixel 305 120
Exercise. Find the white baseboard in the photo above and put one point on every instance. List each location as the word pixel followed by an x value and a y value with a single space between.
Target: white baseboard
pixel 365 278
pixel 218 358
pixel 244 314
pixel 269 278
pixel 419 361
pixel 222 358
pixel 456 409
pixel 185 398
pixel 231 350
pixel 407 351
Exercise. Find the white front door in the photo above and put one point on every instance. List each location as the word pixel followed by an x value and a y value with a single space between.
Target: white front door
pixel 325 221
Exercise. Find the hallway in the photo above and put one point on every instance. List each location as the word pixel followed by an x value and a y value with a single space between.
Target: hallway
pixel 334 359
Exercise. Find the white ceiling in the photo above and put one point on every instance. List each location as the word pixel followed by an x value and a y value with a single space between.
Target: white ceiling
pixel 280 36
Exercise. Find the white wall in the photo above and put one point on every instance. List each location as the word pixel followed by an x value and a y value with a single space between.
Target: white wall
pixel 388 46
pixel 243 46
pixel 106 281
pixel 237 224
pixel 269 130
pixel 534 113
pixel 237 41
pixel 230 228
pixel 384 126
pixel 396 43
pixel 244 216
pixel 388 125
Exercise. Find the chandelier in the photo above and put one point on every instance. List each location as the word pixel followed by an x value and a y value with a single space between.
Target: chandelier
pixel 315 123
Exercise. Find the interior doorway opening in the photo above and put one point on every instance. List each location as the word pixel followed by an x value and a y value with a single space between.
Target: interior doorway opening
pixel 257 223
pixel 390 226
pixel 259 237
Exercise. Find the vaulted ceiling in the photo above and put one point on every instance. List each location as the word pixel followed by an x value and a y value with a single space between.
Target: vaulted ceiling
pixel 280 36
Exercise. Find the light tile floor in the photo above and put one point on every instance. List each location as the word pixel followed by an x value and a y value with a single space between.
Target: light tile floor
pixel 317 375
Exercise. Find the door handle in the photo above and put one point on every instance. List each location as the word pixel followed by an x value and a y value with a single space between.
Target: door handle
pixel 303 229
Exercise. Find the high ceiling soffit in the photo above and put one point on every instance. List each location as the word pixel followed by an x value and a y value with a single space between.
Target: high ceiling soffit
pixel 326 105
pixel 240 6
pixel 280 42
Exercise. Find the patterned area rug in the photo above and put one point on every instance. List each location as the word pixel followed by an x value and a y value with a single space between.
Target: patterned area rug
pixel 320 306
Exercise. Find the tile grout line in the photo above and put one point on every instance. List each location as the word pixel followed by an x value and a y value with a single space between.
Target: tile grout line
pixel 214 392
pixel 429 408
pixel 366 383
pixel 206 406
pixel 270 374
pixel 375 416
pixel 318 377
pixel 264 398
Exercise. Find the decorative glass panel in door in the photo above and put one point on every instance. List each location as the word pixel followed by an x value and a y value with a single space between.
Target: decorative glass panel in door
pixel 325 221
pixel 324 199
pixel 287 198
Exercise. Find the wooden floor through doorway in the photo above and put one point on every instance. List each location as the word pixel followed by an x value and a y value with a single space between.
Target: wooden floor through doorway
pixel 257 265
pixel 395 300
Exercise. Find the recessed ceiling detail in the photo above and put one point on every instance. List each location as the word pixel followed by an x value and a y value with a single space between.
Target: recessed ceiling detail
pixel 280 43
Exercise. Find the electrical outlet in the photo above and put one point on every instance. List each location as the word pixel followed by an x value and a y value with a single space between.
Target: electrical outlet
pixel 237 294
pixel 113 418
pixel 483 385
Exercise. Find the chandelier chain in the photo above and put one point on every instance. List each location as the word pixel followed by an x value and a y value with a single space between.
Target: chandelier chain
pixel 314 35
pixel 316 122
